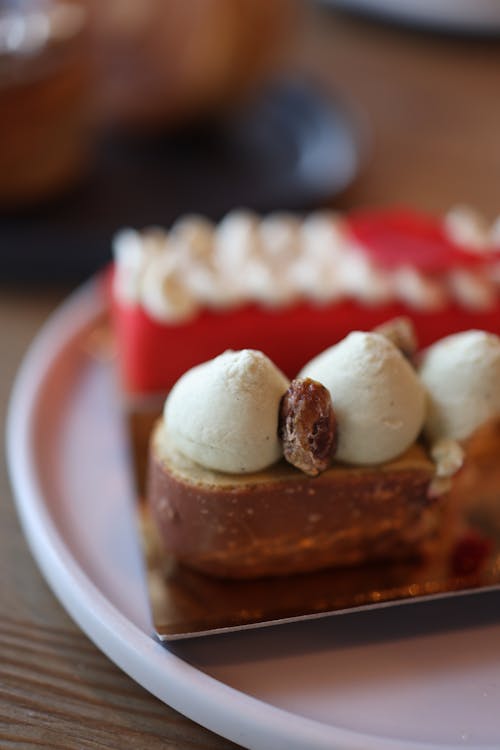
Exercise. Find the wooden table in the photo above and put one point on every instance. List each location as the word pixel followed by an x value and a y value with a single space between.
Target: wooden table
pixel 433 110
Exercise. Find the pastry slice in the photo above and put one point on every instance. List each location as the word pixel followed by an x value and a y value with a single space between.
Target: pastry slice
pixel 361 458
pixel 253 476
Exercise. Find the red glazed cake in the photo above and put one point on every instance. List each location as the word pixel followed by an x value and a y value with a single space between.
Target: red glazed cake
pixel 291 286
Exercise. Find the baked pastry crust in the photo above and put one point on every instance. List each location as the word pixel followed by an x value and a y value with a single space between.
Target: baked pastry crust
pixel 279 521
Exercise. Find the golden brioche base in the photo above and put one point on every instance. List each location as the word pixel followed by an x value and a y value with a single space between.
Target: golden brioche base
pixel 279 521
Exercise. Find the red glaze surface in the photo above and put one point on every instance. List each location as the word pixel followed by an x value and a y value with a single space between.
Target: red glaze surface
pixel 154 355
pixel 404 238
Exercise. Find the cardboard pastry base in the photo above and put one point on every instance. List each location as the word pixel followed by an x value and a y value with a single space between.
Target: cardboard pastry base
pixel 186 603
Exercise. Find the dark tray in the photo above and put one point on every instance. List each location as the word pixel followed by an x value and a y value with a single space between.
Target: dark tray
pixel 292 148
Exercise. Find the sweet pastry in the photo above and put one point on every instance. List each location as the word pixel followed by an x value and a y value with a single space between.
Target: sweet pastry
pixel 225 501
pixel 360 458
pixel 291 286
pixel 278 522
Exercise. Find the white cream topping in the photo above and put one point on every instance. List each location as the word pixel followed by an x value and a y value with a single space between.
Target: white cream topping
pixel 194 237
pixel 280 237
pixel 281 258
pixel 359 279
pixel 317 281
pixel 418 291
pixel 323 235
pixel 132 252
pixel 223 414
pixel 471 289
pixel 468 228
pixel 462 376
pixel 236 244
pixel 164 294
pixel 378 399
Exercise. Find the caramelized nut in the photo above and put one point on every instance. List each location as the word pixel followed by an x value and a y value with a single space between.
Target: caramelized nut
pixel 307 426
pixel 401 332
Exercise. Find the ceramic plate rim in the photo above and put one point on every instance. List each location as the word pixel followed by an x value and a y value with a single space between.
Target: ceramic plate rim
pixel 235 715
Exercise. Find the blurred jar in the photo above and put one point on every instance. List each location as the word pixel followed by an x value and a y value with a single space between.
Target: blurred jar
pixel 167 61
pixel 45 120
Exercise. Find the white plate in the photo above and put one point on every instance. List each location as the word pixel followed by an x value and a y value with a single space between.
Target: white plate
pixel 469 16
pixel 425 676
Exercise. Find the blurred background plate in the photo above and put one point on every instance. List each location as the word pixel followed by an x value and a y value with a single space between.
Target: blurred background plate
pixel 291 147
pixel 470 16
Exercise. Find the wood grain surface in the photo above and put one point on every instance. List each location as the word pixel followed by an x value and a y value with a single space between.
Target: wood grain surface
pixel 432 113
pixel 56 689
pixel 428 102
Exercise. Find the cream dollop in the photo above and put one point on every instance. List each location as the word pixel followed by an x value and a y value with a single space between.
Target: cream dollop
pixel 223 414
pixel 468 228
pixel 165 295
pixel 378 399
pixel 462 376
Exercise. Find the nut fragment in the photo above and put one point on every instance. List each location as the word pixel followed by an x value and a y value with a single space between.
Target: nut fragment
pixel 448 455
pixel 401 332
pixel 307 426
